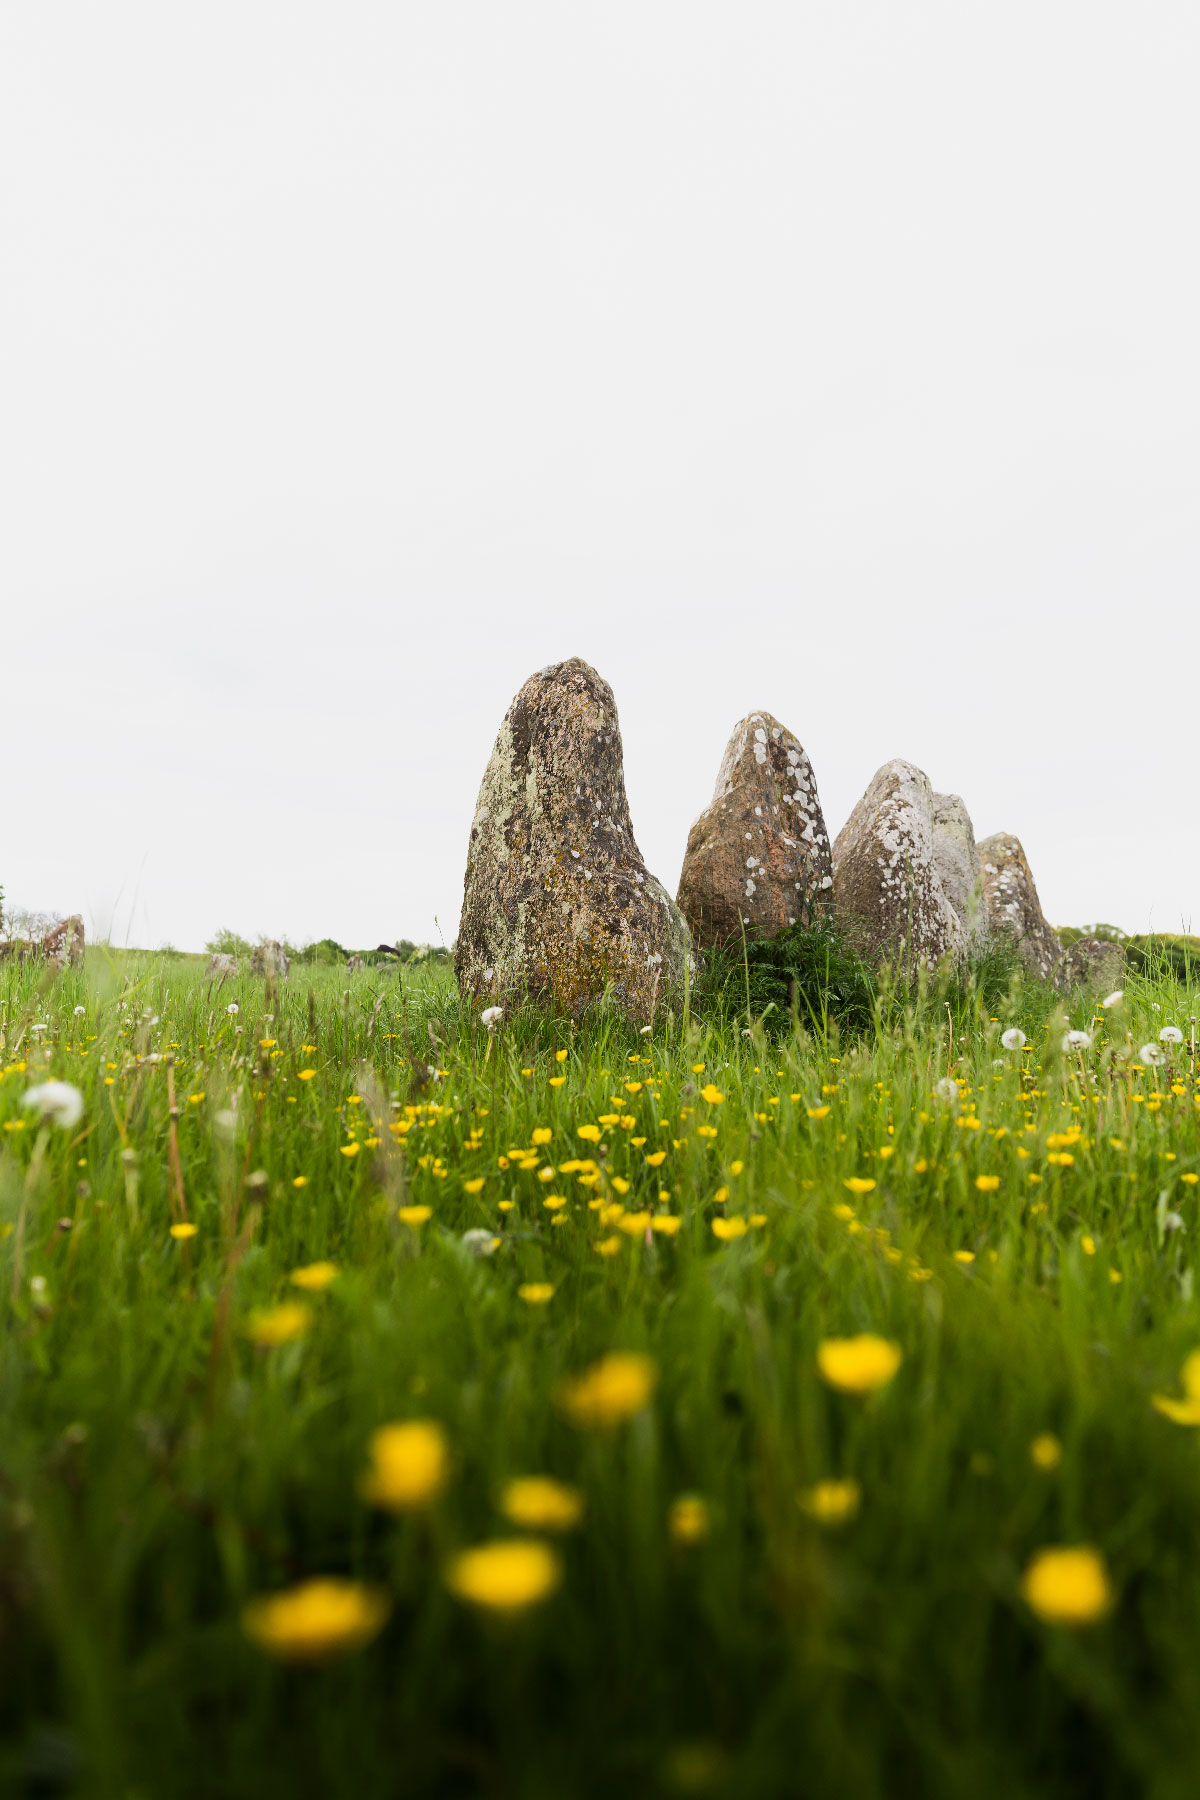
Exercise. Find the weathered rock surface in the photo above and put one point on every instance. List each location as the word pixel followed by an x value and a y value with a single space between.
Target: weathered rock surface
pixel 354 964
pixel 1014 911
pixel 957 862
pixel 887 888
pixel 558 906
pixel 270 959
pixel 63 944
pixel 219 965
pixel 1092 962
pixel 758 856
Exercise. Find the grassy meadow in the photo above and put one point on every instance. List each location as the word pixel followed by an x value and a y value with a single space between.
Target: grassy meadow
pixel 722 1458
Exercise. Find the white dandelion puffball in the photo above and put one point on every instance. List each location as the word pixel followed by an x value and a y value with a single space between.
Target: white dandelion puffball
pixel 480 1242
pixel 947 1088
pixel 1077 1040
pixel 1014 1038
pixel 491 1016
pixel 79 1011
pixel 647 1029
pixel 1170 1034
pixel 1113 999
pixel 232 1007
pixel 56 1101
pixel 1150 1054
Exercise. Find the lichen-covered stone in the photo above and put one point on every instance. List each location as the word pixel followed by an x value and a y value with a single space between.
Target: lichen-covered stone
pixel 558 906
pixel 1092 962
pixel 221 965
pixel 1014 911
pixel 957 862
pixel 270 959
pixel 758 856
pixel 63 944
pixel 887 889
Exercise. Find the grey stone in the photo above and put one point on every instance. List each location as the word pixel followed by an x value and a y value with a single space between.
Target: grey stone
pixel 887 889
pixel 1014 912
pixel 758 856
pixel 957 862
pixel 1094 963
pixel 558 905
pixel 269 959
pixel 221 965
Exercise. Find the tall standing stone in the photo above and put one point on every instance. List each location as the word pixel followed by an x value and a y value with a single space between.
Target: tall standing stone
pixel 558 906
pixel 887 888
pixel 758 856
pixel 957 862
pixel 1014 911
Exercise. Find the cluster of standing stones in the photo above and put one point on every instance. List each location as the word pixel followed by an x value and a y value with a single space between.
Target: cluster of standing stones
pixel 559 907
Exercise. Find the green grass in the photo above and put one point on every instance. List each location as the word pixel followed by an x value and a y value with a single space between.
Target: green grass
pixel 159 1470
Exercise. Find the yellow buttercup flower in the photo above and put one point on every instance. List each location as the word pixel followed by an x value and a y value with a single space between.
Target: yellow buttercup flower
pixel 728 1229
pixel 667 1224
pixel 1187 1410
pixel 409 1465
pixel 299 1181
pixel 818 1112
pixel 561 1055
pixel 712 1094
pixel 539 1503
pixel 633 1224
pixel 987 1184
pixel 414 1215
pixel 590 1133
pixel 305 1074
pixel 269 1326
pixel 1067 1586
pixel 350 1149
pixel 319 1619
pixel 1045 1452
pixel 831 1503
pixel 536 1293
pixel 556 1081
pixel 859 1184
pixel 184 1231
pixel 688 1519
pixel 541 1135
pixel 314 1277
pixel 505 1576
pixel 656 1159
pixel 858 1365
pixel 612 1390
pixel 475 1186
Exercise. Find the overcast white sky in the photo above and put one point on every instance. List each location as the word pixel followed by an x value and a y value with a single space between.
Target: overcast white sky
pixel 837 357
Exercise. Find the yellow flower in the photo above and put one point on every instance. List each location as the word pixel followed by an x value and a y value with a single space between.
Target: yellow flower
pixel 612 1390
pixel 1067 1586
pixel 268 1326
pixel 414 1215
pixel 688 1520
pixel 728 1229
pixel 1087 1245
pixel 186 1230
pixel 536 1293
pixel 735 1168
pixel 712 1094
pixel 195 1099
pixel 506 1575
pixel 314 1276
pixel 666 1223
pixel 409 1465
pixel 858 1365
pixel 721 1196
pixel 758 1220
pixel 299 1181
pixel 1045 1452
pixel 608 1246
pixel 818 1112
pixel 350 1149
pixel 859 1184
pixel 561 1055
pixel 541 1135
pixel 1187 1410
pixel 473 1187
pixel 831 1502
pixel 589 1132
pixel 557 1080
pixel 539 1503
pixel 987 1184
pixel 1190 1178
pixel 321 1618
pixel 656 1159
pixel 633 1224
pixel 619 1184
pixel 305 1074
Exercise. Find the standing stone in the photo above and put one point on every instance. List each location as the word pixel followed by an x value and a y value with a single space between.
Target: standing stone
pixel 758 856
pixel 220 965
pixel 887 889
pixel 354 964
pixel 1092 962
pixel 270 959
pixel 957 863
pixel 1014 911
pixel 558 906
pixel 62 946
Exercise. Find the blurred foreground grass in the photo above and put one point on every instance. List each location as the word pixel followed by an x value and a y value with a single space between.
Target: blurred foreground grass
pixel 758 1563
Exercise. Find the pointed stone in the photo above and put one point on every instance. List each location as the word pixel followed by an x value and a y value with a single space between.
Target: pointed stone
pixel 1094 963
pixel 1013 909
pixel 957 863
pixel 887 889
pixel 758 856
pixel 558 906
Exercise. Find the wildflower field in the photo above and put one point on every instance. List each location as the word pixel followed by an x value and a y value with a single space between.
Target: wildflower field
pixel 391 1405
